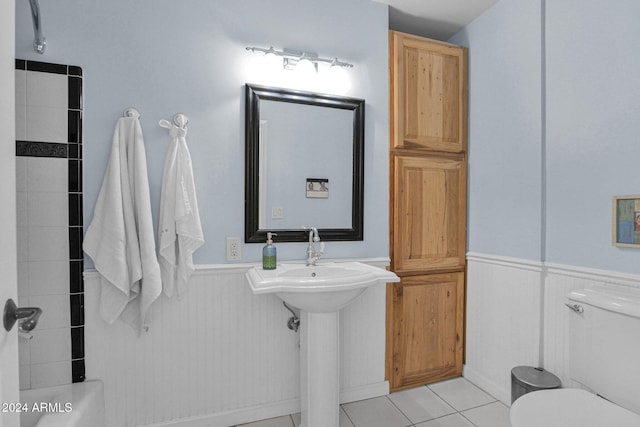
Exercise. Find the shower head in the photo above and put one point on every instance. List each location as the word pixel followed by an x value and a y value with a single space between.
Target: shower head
pixel 39 42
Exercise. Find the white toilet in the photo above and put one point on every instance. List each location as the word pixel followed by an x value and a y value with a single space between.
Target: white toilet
pixel 605 358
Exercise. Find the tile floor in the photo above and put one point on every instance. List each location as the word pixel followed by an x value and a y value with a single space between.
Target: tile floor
pixel 451 403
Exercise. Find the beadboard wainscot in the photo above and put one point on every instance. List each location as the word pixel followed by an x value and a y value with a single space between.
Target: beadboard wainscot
pixel 509 302
pixel 503 320
pixel 560 280
pixel 222 356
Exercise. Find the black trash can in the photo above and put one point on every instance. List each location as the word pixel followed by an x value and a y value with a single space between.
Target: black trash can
pixel 525 379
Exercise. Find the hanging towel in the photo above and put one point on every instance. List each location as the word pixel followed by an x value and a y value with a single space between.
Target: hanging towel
pixel 179 231
pixel 120 238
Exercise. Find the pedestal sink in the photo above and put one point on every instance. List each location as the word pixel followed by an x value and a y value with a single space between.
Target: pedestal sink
pixel 319 292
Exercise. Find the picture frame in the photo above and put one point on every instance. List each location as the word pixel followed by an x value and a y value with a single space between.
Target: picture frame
pixel 626 221
pixel 317 188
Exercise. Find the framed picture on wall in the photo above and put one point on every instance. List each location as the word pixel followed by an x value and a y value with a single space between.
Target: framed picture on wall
pixel 626 221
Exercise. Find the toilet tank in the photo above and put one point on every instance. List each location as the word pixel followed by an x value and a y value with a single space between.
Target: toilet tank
pixel 605 342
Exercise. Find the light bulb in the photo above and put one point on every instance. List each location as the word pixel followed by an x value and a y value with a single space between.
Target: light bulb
pixel 304 74
pixel 338 80
pixel 271 69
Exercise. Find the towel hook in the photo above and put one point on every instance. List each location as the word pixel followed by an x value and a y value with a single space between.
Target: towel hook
pixel 131 112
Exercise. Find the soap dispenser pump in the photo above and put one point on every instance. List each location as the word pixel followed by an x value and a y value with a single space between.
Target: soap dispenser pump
pixel 269 260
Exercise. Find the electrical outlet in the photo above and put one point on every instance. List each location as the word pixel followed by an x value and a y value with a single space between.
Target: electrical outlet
pixel 234 249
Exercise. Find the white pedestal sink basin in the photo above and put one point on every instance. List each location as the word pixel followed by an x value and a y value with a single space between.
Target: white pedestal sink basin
pixel 319 292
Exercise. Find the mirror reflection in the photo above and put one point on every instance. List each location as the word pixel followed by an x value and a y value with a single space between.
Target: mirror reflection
pixel 304 156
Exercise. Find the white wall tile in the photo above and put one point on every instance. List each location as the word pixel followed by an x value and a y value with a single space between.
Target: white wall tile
pixel 47 209
pixel 22 217
pixel 21 87
pixel 47 124
pixel 47 174
pixel 50 374
pixel 24 351
pixel 55 311
pixel 23 279
pixel 23 244
pixel 51 345
pixel 21 173
pixel 48 243
pixel 21 122
pixel 25 377
pixel 48 277
pixel 47 90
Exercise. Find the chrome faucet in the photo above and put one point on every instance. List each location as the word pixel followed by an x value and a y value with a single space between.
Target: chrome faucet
pixel 312 254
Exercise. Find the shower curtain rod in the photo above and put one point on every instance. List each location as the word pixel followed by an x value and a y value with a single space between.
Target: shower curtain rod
pixel 39 42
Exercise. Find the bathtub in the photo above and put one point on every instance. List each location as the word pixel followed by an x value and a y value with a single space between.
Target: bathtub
pixel 73 405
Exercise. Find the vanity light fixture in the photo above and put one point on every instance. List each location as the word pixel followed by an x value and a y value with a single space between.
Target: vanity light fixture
pixel 292 58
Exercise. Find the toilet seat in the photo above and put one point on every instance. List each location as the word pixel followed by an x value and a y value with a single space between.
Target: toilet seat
pixel 568 407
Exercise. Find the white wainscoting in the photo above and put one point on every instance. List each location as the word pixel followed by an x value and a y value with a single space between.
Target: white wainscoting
pixel 503 320
pixel 562 279
pixel 222 356
pixel 505 316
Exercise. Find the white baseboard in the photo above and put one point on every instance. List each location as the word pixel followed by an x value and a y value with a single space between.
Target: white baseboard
pixel 368 391
pixel 487 385
pixel 271 410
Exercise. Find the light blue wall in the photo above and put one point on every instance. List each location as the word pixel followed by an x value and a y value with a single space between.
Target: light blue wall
pixel 163 57
pixel 589 135
pixel 505 129
pixel 593 128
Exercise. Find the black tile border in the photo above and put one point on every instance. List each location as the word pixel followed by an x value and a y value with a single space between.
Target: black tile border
pixel 77 370
pixel 41 149
pixel 47 67
pixel 73 152
pixel 74 132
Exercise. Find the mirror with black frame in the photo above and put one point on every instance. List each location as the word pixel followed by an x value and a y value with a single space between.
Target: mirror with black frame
pixel 304 165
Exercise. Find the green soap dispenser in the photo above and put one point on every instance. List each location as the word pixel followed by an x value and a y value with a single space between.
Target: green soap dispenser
pixel 269 260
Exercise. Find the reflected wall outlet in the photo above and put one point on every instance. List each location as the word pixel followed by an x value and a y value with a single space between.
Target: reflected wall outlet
pixel 277 212
pixel 234 249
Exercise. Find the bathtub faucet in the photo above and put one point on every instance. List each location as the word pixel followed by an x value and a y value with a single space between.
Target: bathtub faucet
pixel 12 314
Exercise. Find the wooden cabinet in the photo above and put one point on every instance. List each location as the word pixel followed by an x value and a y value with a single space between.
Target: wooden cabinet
pixel 428 94
pixel 429 213
pixel 426 329
pixel 428 210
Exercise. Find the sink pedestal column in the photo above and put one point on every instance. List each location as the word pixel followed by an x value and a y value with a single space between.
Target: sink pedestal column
pixel 320 369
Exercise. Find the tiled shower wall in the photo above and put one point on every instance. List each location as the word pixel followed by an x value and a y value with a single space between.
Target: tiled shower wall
pixel 49 204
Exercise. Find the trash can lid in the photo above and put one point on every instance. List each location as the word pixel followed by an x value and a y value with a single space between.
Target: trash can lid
pixel 537 378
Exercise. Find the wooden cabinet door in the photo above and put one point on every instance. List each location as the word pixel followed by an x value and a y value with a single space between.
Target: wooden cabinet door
pixel 429 213
pixel 425 329
pixel 428 94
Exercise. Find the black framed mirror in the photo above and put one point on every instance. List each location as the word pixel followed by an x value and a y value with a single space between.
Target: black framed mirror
pixel 304 165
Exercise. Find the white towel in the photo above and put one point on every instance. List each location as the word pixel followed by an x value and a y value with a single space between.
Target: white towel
pixel 179 230
pixel 120 238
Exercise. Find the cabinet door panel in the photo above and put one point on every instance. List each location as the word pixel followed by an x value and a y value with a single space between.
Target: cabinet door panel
pixel 429 94
pixel 429 220
pixel 427 324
